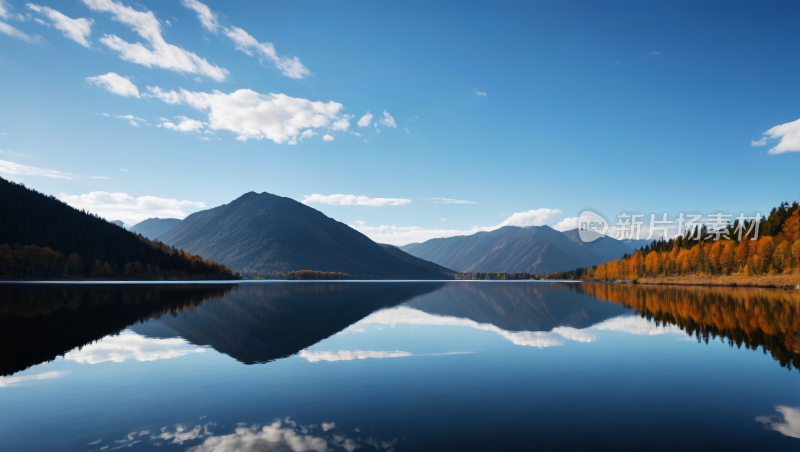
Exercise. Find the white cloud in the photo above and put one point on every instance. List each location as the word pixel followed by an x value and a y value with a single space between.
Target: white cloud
pixel 185 125
pixel 536 217
pixel 129 345
pixel 11 381
pixel 654 53
pixel 23 170
pixel 181 433
pixel 5 12
pixel 365 120
pixel 348 355
pixel 15 154
pixel 21 35
pixel 290 67
pixel 395 235
pixel 634 324
pixel 132 119
pixel 277 117
pixel 404 315
pixel 160 54
pixel 207 18
pixel 115 83
pixel 449 201
pixel 789 134
pixel 567 224
pixel 76 29
pixel 120 206
pixel 327 137
pixel 355 133
pixel 387 120
pixel 256 439
pixel 791 421
pixel 352 200
pixel 479 93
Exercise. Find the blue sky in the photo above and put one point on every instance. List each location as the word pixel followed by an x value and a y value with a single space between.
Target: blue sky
pixel 529 112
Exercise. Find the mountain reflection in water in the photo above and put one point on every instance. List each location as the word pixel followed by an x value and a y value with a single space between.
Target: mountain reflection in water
pixel 262 322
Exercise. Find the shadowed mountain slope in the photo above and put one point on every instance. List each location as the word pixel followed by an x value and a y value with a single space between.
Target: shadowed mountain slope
pixel 153 227
pixel 513 249
pixel 269 234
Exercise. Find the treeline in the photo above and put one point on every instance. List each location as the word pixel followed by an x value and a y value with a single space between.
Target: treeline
pixel 45 238
pixel 316 275
pixel 34 262
pixel 775 250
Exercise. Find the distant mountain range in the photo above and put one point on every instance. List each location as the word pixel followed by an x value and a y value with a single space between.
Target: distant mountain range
pixel 513 249
pixel 153 227
pixel 261 233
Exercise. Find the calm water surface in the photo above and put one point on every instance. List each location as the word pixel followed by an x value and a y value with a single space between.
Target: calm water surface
pixel 395 366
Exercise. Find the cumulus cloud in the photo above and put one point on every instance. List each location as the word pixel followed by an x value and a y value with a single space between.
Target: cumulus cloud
pixel 23 170
pixel 365 120
pixel 567 224
pixel 276 117
pixel 449 201
pixel 160 54
pixel 349 355
pixel 290 67
pixel 120 206
pixel 207 18
pixel 115 83
pixel 327 137
pixel 352 200
pixel 790 425
pixel 479 93
pixel 387 120
pixel 76 29
pixel 536 217
pixel 185 125
pixel 395 235
pixel 129 345
pixel 17 379
pixel 789 134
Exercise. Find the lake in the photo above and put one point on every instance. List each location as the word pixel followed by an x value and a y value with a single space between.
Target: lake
pixel 396 366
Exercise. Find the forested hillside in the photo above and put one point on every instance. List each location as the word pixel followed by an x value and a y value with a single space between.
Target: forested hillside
pixel 41 237
pixel 776 250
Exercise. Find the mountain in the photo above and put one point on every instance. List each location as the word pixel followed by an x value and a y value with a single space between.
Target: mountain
pixel 54 240
pixel 513 249
pixel 262 233
pixel 397 252
pixel 605 247
pixel 153 227
pixel 118 223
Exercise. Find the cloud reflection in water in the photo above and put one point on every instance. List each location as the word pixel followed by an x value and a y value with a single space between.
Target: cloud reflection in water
pixel 791 421
pixel 129 345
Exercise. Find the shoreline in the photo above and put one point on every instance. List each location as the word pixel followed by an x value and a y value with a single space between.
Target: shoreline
pixel 783 281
